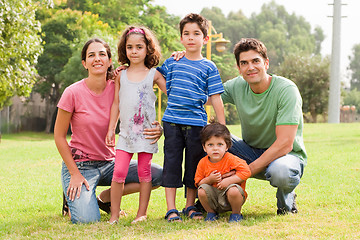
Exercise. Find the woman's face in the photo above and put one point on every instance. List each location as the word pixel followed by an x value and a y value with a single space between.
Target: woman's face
pixel 97 60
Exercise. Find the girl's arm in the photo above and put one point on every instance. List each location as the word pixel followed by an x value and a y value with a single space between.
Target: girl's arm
pixel 160 81
pixel 60 131
pixel 218 106
pixel 114 115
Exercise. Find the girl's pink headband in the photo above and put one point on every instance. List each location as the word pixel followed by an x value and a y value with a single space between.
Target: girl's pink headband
pixel 136 30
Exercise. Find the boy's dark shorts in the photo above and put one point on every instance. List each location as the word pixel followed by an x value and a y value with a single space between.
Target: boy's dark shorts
pixel 177 138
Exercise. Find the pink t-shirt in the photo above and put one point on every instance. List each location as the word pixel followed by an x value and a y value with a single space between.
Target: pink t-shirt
pixel 90 119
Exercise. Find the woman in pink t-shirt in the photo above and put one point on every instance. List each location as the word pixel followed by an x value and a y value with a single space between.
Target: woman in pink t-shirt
pixel 87 161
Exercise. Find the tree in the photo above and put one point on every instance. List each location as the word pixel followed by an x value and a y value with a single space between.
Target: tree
pixel 20 47
pixel 64 33
pixel 311 75
pixel 354 67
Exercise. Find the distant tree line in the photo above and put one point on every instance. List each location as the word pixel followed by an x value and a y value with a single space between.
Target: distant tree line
pixel 40 45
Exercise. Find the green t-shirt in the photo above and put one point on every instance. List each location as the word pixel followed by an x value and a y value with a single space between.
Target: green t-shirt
pixel 260 113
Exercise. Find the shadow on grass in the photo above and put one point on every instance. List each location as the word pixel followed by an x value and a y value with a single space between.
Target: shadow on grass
pixel 253 218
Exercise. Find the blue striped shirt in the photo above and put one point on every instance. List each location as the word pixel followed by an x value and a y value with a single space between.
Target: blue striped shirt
pixel 189 84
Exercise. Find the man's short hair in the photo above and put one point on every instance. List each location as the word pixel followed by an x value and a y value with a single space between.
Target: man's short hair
pixel 247 44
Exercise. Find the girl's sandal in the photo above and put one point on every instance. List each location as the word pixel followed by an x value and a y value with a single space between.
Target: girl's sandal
pixel 140 219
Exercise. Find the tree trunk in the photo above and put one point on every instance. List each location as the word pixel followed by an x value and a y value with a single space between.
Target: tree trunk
pixel 313 113
pixel 50 110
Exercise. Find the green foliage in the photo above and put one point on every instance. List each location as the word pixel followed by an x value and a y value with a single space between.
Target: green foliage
pixel 19 48
pixel 354 67
pixel 311 75
pixel 352 98
pixel 226 64
pixel 64 33
pixel 281 32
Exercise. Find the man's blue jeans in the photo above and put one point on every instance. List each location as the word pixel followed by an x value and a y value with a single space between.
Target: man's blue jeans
pixel 283 173
pixel 98 173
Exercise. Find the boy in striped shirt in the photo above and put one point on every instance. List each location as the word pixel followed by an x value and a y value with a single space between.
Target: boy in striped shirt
pixel 190 83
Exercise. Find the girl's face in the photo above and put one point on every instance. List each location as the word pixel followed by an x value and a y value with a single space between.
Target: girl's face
pixel 97 60
pixel 136 49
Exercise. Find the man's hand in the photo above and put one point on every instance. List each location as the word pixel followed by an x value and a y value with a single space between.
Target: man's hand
pixel 228 174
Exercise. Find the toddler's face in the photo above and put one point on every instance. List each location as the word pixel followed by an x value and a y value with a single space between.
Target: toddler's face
pixel 216 148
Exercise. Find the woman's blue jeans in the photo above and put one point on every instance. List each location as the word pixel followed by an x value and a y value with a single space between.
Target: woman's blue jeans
pixel 98 173
pixel 283 173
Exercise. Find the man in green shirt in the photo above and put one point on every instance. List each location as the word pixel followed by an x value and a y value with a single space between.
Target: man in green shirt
pixel 269 108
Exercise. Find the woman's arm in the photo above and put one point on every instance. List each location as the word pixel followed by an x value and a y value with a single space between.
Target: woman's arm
pixel 60 131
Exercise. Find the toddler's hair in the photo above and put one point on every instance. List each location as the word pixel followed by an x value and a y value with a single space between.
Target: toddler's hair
pixel 195 18
pixel 153 54
pixel 218 130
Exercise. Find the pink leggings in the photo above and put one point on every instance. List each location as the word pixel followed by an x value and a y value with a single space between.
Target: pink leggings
pixel 122 161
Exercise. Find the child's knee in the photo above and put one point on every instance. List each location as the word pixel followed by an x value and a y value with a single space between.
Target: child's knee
pixel 201 193
pixel 233 192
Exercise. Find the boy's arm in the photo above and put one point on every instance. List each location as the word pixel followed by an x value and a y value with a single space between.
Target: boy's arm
pixel 218 106
pixel 114 116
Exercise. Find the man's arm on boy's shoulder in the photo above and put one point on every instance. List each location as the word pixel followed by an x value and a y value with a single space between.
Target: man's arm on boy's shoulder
pixel 218 106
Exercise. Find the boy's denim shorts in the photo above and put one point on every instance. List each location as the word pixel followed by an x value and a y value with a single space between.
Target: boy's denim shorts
pixel 177 138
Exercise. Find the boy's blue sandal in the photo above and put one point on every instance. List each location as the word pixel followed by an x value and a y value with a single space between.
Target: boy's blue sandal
pixel 172 219
pixel 235 217
pixel 196 213
pixel 212 216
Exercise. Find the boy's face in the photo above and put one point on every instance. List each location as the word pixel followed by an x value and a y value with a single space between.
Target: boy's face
pixel 193 38
pixel 215 147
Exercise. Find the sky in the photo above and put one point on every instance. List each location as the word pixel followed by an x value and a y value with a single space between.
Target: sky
pixel 316 12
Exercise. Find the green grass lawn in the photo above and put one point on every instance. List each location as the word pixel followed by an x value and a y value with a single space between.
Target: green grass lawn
pixel 328 196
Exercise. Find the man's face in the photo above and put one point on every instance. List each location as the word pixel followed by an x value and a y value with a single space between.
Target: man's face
pixel 253 67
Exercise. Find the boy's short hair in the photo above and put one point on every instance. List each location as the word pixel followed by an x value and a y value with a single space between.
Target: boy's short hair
pixel 247 44
pixel 195 18
pixel 218 130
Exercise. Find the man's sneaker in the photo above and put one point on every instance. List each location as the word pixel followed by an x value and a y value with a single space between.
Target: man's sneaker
pixel 282 211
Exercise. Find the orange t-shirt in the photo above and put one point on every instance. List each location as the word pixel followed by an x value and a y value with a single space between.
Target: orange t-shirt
pixel 226 164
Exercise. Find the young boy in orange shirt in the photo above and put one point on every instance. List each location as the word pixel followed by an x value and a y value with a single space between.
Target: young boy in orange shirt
pixel 219 189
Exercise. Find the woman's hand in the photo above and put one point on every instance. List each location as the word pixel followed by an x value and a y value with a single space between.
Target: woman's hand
pixel 75 185
pixel 119 69
pixel 153 133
